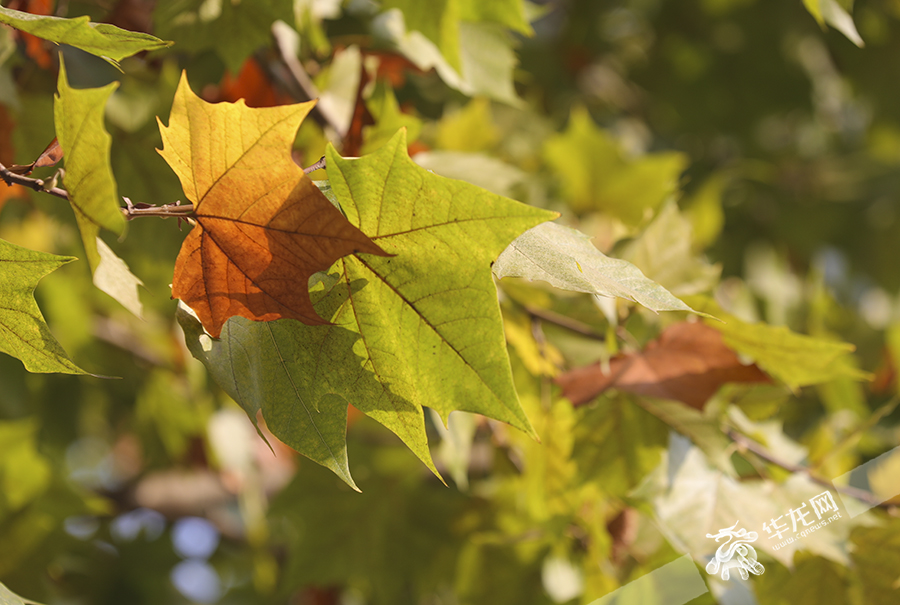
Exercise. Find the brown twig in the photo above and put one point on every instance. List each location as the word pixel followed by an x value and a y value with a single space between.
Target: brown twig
pixel 564 322
pixel 748 444
pixel 11 178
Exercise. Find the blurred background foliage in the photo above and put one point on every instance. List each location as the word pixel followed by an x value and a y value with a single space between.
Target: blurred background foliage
pixel 732 148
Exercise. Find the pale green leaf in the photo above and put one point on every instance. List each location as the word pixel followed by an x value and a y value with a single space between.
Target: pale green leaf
pixel 233 29
pixel 566 259
pixel 101 39
pixel 481 170
pixel 596 175
pixel 8 597
pixel 837 17
pixel 815 9
pixel 701 500
pixel 89 180
pixel 487 58
pixel 437 20
pixel 113 277
pixel 23 332
pixel 663 252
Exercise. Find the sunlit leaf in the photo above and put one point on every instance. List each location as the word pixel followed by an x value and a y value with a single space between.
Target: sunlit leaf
pixel 263 228
pixel 566 259
pixel 595 173
pixel 688 363
pixel 23 332
pixel 101 39
pixel 421 328
pixel 795 359
pixel 8 597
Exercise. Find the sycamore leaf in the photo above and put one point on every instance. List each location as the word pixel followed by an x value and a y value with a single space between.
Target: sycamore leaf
pixel 90 183
pixel 263 228
pixel 101 39
pixel 113 277
pixel 8 597
pixel 795 359
pixel 255 364
pixel 688 363
pixel 566 259
pixel 617 444
pixel 233 29
pixel 596 175
pixel 486 58
pixel 835 15
pixel 422 328
pixel 23 332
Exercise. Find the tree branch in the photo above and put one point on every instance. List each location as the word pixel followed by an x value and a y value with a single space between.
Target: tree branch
pixel 11 178
pixel 744 442
pixel 131 210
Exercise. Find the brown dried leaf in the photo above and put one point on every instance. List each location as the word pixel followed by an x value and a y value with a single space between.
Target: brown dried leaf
pixel 688 363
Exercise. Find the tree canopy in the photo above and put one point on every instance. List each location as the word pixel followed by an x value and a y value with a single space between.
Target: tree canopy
pixel 386 301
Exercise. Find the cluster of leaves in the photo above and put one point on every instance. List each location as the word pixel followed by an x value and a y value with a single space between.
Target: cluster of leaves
pixel 642 403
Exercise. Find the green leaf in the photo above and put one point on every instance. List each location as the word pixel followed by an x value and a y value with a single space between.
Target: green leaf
pixel 233 29
pixel 24 472
pixel 418 329
pixel 617 444
pixel 813 580
pixel 795 359
pixel 91 186
pixel 509 13
pixel 8 597
pixel 429 317
pixel 23 332
pixel 566 259
pixel 388 119
pixel 101 39
pixel 78 115
pixel 265 367
pixel 597 175
pixel 395 543
pixel 704 431
pixel 876 555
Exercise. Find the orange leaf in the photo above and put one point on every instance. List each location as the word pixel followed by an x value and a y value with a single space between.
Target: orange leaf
pixel 688 363
pixel 262 227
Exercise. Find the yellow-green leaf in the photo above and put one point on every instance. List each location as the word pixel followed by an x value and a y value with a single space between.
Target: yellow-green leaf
pixel 23 332
pixel 101 39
